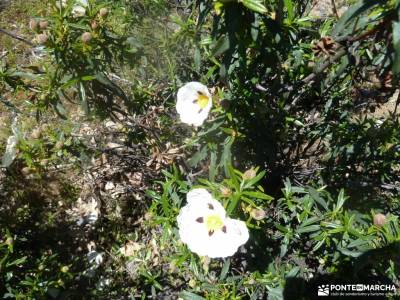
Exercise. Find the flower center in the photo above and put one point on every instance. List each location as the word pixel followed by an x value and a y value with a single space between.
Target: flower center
pixel 202 100
pixel 214 223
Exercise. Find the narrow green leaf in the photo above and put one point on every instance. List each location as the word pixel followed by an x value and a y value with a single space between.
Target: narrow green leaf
pixel 255 5
pixel 353 12
pixel 185 295
pixel 225 269
pixel 254 180
pixel 197 59
pixel 396 45
pixel 82 96
pixel 198 157
pixel 258 195
pixel 290 9
pixel 310 228
pixel 310 221
pixel 220 46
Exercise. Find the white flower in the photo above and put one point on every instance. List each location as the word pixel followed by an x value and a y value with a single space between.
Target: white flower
pixel 79 8
pixel 206 230
pixel 193 103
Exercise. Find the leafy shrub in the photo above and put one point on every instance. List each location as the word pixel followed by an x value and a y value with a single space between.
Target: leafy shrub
pixel 297 145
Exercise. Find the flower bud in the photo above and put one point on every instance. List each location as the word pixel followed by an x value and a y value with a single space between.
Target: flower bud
pixel 379 220
pixel 249 174
pixel 86 37
pixel 225 191
pixel 103 12
pixel 257 214
pixel 94 25
pixel 26 171
pixel 42 38
pixel 59 145
pixel 36 133
pixel 64 269
pixel 43 24
pixel 33 25
pixel 44 162
pixel 9 241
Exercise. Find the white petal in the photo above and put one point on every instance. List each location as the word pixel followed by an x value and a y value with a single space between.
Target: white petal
pixel 221 243
pixel 201 199
pixel 237 230
pixel 84 3
pixel 78 11
pixel 198 194
pixel 200 205
pixel 189 112
pixel 226 244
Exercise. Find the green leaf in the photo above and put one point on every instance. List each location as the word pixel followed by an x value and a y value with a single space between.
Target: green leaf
pixel 293 272
pixel 310 228
pixel 350 252
pixel 215 126
pixel 226 156
pixel 17 262
pixel 290 9
pixel 60 110
pixel 254 180
pixel 255 5
pixel 359 242
pixel 185 295
pixel 341 199
pixel 78 26
pixel 281 228
pixel 351 13
pixel 103 79
pixel 221 46
pixel 309 221
pixel 396 45
pixel 233 202
pixel 318 245
pixel 198 157
pixel 197 59
pixel 82 96
pixel 225 269
pixel 213 170
pixel 25 75
pixel 258 195
pixel 315 196
pixel 275 293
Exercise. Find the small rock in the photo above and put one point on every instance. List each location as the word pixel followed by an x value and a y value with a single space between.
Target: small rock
pixel 109 186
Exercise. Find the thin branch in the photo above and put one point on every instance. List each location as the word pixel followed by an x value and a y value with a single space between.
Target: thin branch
pixel 334 9
pixel 19 38
pixel 325 65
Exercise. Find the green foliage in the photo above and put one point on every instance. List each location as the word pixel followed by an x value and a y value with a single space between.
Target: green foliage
pixel 302 144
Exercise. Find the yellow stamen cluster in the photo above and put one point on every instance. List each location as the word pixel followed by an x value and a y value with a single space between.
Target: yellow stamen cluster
pixel 214 223
pixel 202 100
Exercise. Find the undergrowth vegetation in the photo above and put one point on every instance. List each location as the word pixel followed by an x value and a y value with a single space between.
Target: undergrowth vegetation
pixel 293 136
